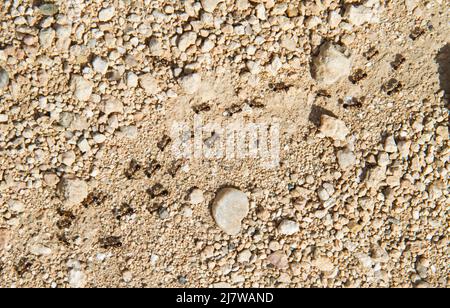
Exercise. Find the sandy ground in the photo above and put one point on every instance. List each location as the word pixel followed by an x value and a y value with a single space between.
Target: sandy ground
pixel 93 195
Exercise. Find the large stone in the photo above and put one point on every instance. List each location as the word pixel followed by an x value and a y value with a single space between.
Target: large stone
pixel 331 65
pixel 229 208
pixel 73 190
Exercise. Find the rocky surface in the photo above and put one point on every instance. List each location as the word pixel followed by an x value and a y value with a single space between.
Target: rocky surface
pixel 92 194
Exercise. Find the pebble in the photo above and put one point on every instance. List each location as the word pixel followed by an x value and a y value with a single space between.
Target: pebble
pixel 359 15
pixel 113 106
pixel 186 40
pixel 333 128
pixel 191 83
pixel 346 158
pixel 279 260
pixel 84 146
pixel 40 250
pixel 68 158
pixel 390 145
pixel 99 138
pixel 106 14
pixel 229 208
pixel 51 179
pixel 210 5
pixel 331 65
pixel 16 206
pixel 4 78
pixel 73 190
pixel 100 65
pixel 196 197
pixel 288 227
pixel 77 278
pixel 83 88
pixel 244 256
pixel 4 118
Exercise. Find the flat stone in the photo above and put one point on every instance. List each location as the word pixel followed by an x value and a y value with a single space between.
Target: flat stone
pixel 229 208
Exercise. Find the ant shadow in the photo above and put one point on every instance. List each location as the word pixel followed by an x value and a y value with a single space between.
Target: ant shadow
pixel 443 60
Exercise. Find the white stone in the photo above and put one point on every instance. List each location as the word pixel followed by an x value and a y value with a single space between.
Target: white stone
pixel 155 47
pixel 196 197
pixel 113 106
pixel 132 80
pixel 229 208
pixel 333 128
pixel 83 88
pixel 191 83
pixel 4 118
pixel 186 40
pixel 359 15
pixel 207 45
pixel 99 138
pixel 84 146
pixel 323 264
pixel 73 190
pixel 346 158
pixel 40 250
pixel 331 65
pixel 68 158
pixel 16 206
pixel 390 145
pixel 46 37
pixel 77 278
pixel 244 256
pixel 100 65
pixel 106 14
pixel 288 227
pixel 261 11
